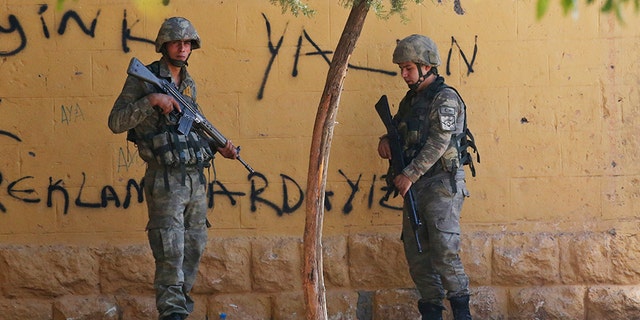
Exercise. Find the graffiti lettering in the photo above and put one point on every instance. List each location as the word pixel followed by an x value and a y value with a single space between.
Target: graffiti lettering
pixel 126 158
pixel 292 194
pixel 223 191
pixel 324 53
pixel 285 208
pixel 107 194
pixel 13 192
pixel 73 15
pixel 139 191
pixel 57 187
pixel 45 29
pixel 14 26
pixel 71 114
pixel 10 135
pixel 126 34
pixel 327 200
pixel 464 57
pixel 81 203
pixel 273 50
pixel 348 206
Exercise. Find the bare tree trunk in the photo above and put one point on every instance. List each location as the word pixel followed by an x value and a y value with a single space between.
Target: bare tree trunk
pixel 313 280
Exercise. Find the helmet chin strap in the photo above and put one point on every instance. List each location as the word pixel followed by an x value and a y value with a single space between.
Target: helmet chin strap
pixel 421 77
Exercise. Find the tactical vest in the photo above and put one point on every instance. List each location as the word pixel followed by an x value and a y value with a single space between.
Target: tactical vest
pixel 171 149
pixel 413 124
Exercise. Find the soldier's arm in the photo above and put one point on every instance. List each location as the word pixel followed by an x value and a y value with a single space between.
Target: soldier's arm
pixel 132 106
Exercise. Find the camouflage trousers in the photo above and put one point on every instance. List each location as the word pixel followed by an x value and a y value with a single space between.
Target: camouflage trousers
pixel 177 234
pixel 438 269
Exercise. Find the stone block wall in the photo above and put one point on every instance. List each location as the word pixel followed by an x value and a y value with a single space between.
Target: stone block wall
pixel 514 276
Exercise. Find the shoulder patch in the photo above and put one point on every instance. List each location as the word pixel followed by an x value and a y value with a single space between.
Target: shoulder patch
pixel 447 118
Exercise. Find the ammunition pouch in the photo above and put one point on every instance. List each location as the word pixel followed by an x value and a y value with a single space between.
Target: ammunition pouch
pixel 173 149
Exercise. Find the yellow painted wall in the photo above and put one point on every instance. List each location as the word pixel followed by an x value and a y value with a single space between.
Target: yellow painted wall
pixel 553 105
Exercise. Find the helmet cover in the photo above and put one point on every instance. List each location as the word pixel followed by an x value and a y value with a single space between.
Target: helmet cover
pixel 417 49
pixel 177 28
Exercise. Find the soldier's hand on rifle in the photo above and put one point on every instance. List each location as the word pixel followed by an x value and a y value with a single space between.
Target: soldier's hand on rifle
pixel 164 102
pixel 229 151
pixel 384 150
pixel 402 183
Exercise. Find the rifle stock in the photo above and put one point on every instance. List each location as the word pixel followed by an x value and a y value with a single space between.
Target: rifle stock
pixel 397 164
pixel 190 114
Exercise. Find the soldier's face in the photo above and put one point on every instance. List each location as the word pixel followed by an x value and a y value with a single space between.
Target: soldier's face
pixel 409 72
pixel 179 49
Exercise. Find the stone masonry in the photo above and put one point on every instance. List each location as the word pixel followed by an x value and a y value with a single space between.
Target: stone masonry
pixel 514 276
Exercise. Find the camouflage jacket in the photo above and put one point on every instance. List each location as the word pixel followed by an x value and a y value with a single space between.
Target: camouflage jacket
pixel 427 121
pixel 133 110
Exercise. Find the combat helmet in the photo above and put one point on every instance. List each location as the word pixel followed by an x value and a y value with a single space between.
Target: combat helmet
pixel 177 28
pixel 417 49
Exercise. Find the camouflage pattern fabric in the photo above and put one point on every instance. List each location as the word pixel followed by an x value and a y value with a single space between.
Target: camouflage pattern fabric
pixel 417 49
pixel 177 234
pixel 177 215
pixel 427 121
pixel 438 270
pixel 177 28
pixel 420 116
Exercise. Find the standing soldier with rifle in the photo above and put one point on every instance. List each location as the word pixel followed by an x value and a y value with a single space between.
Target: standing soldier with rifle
pixel 431 122
pixel 174 182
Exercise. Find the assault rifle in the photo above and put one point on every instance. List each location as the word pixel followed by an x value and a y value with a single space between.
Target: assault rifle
pixel 397 164
pixel 190 114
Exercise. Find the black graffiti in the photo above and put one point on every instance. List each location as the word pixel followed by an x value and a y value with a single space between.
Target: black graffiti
pixel 91 31
pixel 274 50
pixel 14 26
pixel 108 194
pixel 348 206
pixel 126 33
pixel 292 198
pixel 12 191
pixel 10 135
pixel 45 29
pixel 325 56
pixel 327 200
pixel 57 187
pixel 292 193
pixel 285 207
pixel 2 207
pixel 223 191
pixel 464 57
pixel 74 15
pixel 70 15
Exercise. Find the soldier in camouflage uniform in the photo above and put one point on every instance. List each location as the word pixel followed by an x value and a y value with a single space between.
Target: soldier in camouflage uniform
pixel 174 182
pixel 429 118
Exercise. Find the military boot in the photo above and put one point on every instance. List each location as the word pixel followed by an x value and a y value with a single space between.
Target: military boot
pixel 460 308
pixel 430 311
